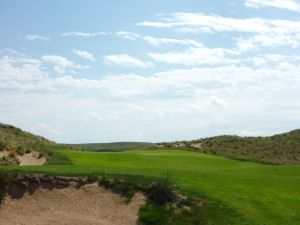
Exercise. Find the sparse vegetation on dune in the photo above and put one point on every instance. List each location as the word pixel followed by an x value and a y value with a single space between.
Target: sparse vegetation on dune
pixel 277 149
pixel 17 142
pixel 15 139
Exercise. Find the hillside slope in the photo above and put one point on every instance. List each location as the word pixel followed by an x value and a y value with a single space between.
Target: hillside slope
pixel 277 149
pixel 15 143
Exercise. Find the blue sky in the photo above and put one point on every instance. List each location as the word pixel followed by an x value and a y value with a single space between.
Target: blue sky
pixel 101 71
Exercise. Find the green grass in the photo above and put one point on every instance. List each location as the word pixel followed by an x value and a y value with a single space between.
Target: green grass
pixel 261 194
pixel 113 146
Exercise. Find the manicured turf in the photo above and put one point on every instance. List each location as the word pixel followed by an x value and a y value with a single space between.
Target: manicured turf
pixel 263 194
pixel 114 146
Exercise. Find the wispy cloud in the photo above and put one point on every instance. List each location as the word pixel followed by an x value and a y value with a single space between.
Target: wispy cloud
pixel 200 22
pixel 127 35
pixel 173 97
pixel 61 63
pixel 34 37
pixel 48 129
pixel 194 56
pixel 125 60
pixel 162 41
pixel 271 40
pixel 259 31
pixel 292 5
pixel 83 34
pixel 84 54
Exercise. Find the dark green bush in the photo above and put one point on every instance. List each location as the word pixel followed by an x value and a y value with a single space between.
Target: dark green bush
pixel 5 179
pixel 161 191
pixel 2 146
pixel 125 187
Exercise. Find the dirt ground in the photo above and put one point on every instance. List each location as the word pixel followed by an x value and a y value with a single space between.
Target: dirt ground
pixel 87 205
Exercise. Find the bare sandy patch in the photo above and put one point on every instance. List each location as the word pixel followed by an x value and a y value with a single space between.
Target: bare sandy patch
pixel 4 153
pixel 197 145
pixel 31 159
pixel 28 159
pixel 89 204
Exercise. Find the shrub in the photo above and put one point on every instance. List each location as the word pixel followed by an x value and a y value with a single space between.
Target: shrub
pixel 20 150
pixel 40 155
pixel 5 179
pixel 123 186
pixel 2 146
pixel 161 191
pixel 12 155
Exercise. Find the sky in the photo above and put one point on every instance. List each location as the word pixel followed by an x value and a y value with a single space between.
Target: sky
pixel 162 70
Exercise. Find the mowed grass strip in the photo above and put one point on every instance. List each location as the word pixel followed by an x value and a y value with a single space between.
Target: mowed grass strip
pixel 263 194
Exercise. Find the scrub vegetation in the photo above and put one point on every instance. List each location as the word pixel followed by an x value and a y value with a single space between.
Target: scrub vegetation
pixel 277 149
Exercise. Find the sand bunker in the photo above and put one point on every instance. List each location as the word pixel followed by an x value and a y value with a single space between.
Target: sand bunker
pixel 4 154
pixel 87 205
pixel 29 159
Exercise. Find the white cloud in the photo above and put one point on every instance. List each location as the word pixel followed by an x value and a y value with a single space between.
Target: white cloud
pixel 84 34
pixel 271 59
pixel 162 41
pixel 125 61
pixel 266 32
pixel 194 56
pixel 61 63
pixel 47 129
pixel 174 83
pixel 292 5
pixel 105 116
pixel 200 22
pixel 16 71
pixel 127 35
pixel 230 98
pixel 270 40
pixel 84 54
pixel 59 60
pixel 37 37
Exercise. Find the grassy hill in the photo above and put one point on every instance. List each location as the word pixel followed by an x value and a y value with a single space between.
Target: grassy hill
pixel 18 142
pixel 114 146
pixel 277 149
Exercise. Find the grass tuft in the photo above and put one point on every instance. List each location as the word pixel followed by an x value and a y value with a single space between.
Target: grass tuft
pixel 161 191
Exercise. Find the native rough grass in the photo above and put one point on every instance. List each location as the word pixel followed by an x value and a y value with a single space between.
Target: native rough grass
pixel 277 149
pixel 16 140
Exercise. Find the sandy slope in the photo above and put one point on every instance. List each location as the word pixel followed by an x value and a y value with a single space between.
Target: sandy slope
pixel 29 159
pixel 88 205
pixel 4 153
